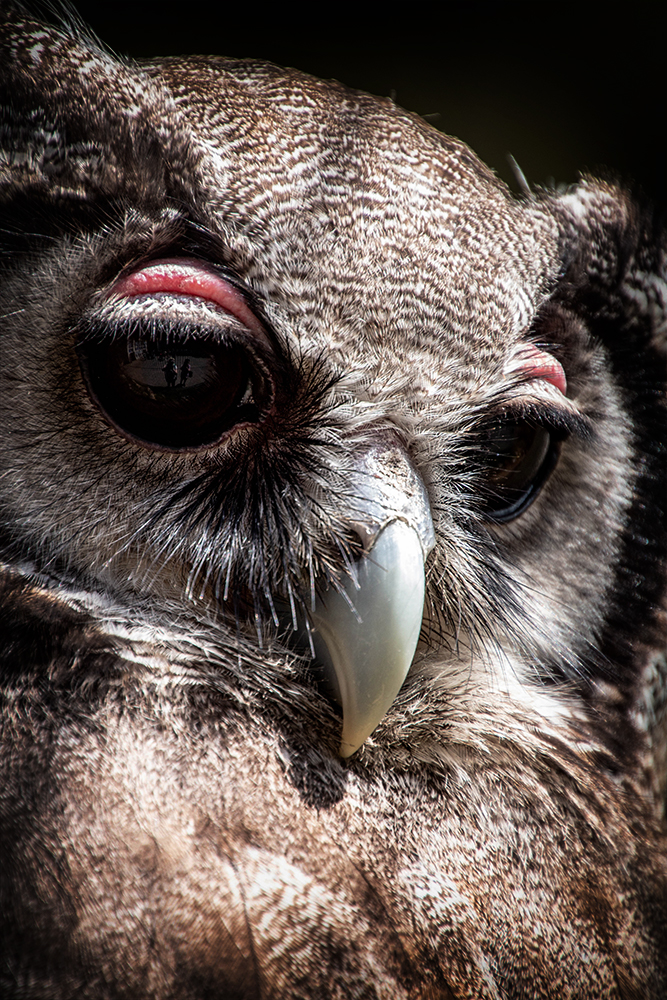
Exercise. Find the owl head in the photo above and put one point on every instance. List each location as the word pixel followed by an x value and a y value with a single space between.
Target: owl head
pixel 320 445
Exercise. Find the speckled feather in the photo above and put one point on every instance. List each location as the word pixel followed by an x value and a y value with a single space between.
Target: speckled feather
pixel 175 820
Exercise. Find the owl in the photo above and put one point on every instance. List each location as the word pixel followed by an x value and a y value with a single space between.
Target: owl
pixel 332 549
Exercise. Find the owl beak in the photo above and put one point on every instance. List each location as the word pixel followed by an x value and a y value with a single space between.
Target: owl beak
pixel 366 633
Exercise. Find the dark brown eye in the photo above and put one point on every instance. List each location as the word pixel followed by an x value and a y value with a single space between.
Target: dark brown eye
pixel 170 392
pixel 518 457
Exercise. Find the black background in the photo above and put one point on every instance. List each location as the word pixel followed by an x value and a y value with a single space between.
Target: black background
pixel 562 87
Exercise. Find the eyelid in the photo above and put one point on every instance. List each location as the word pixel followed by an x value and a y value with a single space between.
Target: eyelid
pixel 560 417
pixel 173 317
pixel 536 365
pixel 163 288
pixel 189 277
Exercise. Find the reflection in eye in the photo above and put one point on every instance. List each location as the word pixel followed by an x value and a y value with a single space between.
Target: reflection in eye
pixel 146 367
pixel 519 457
pixel 170 393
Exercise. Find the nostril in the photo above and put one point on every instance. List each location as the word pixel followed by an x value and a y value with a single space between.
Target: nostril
pixel 363 535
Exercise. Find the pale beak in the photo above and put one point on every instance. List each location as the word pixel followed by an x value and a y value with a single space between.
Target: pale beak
pixel 366 634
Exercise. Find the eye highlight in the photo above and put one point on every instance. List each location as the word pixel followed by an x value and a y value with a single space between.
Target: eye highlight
pixel 518 456
pixel 172 392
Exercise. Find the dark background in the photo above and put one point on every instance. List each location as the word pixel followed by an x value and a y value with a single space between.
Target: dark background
pixel 562 87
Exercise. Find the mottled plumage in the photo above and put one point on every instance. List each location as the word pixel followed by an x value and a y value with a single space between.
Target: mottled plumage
pixel 381 339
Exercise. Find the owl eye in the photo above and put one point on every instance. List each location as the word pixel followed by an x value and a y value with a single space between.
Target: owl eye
pixel 169 392
pixel 518 457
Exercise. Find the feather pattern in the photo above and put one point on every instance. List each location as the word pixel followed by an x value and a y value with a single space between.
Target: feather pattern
pixel 176 820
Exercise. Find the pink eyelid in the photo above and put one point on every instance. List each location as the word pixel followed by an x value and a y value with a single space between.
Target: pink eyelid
pixel 186 276
pixel 536 364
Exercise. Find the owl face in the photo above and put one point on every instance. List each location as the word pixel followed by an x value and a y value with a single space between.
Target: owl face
pixel 330 483
pixel 261 319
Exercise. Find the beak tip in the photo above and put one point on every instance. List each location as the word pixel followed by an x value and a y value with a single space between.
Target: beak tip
pixel 371 658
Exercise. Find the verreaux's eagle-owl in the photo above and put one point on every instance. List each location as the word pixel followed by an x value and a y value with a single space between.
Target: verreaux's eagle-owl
pixel 333 565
